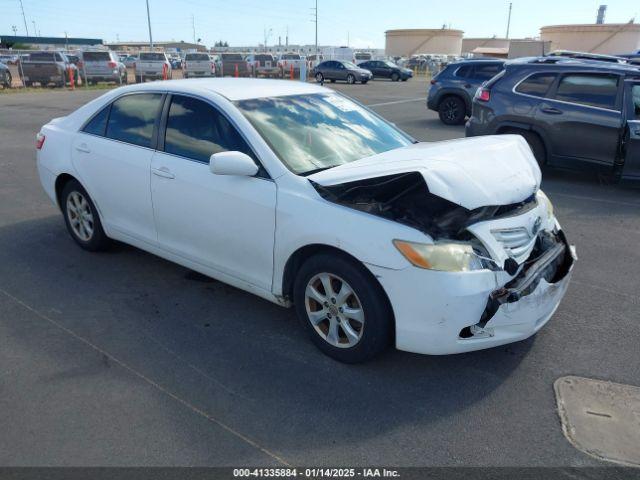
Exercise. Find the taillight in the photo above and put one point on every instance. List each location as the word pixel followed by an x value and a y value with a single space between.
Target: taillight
pixel 484 95
pixel 433 82
pixel 112 64
pixel 40 140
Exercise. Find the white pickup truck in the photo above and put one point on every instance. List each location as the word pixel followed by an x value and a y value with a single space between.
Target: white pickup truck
pixel 198 65
pixel 286 60
pixel 152 66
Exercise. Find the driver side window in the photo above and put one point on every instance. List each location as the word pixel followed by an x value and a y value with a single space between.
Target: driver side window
pixel 635 97
pixel 196 130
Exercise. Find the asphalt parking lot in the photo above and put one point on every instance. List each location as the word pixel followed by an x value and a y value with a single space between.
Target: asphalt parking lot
pixel 122 358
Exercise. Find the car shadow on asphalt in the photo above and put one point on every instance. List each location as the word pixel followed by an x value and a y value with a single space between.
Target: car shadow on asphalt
pixel 230 353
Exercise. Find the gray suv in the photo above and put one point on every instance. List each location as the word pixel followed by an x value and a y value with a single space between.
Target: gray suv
pixel 102 66
pixel 574 114
pixel 452 90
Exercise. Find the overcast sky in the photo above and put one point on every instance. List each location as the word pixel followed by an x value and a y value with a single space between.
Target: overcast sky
pixel 244 22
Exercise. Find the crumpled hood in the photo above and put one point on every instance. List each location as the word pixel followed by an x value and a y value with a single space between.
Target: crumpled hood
pixel 472 172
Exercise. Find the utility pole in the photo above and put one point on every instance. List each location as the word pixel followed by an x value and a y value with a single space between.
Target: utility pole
pixel 193 27
pixel 149 23
pixel 66 41
pixel 316 14
pixel 35 30
pixel 509 19
pixel 24 18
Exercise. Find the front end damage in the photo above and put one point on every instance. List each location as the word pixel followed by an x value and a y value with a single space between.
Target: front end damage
pixel 526 259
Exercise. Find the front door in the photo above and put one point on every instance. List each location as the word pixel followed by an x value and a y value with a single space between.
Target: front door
pixel 112 155
pixel 226 223
pixel 631 169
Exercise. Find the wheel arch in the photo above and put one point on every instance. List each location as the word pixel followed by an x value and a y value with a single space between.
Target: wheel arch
pixel 446 93
pixel 61 182
pixel 514 126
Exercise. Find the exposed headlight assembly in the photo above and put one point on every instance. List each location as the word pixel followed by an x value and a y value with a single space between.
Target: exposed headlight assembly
pixel 544 200
pixel 444 257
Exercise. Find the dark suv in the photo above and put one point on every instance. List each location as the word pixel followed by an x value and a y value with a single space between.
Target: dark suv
pixel 452 90
pixel 573 114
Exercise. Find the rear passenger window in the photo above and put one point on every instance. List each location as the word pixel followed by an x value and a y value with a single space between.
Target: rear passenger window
pixel 132 118
pixel 464 71
pixel 537 84
pixel 485 72
pixel 598 90
pixel 98 123
pixel 196 130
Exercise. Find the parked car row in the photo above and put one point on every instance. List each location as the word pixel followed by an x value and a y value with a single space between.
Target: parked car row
pixel 575 112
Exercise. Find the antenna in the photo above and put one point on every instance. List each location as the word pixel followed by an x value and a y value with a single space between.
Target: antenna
pixel 509 19
pixel 149 23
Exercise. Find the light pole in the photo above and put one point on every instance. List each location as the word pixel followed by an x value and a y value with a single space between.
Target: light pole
pixel 149 23
pixel 35 30
pixel 509 19
pixel 24 18
pixel 316 30
pixel 15 30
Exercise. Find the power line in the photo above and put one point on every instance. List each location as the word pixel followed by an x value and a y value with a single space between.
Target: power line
pixel 24 18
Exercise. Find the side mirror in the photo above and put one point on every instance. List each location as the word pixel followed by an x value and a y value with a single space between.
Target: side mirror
pixel 232 163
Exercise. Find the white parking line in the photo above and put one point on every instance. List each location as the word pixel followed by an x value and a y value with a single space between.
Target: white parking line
pixel 146 379
pixel 408 100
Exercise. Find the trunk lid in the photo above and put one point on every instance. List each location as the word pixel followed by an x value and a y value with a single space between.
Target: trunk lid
pixel 471 172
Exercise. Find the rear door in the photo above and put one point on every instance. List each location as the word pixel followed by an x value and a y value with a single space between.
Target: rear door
pixel 631 146
pixel 97 63
pixel 112 155
pixel 582 119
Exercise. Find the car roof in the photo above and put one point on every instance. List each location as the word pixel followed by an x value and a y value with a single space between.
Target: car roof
pixel 232 88
pixel 560 63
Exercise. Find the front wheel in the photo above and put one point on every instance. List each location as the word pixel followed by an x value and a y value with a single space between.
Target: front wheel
pixel 351 79
pixel 81 218
pixel 343 308
pixel 395 77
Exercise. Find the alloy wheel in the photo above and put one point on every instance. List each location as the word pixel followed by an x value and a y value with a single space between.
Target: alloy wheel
pixel 451 112
pixel 80 216
pixel 334 310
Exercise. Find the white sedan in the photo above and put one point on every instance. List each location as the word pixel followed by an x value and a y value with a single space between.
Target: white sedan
pixel 304 197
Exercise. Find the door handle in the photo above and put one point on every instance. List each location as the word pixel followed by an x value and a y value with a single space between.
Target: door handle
pixel 163 172
pixel 83 148
pixel 551 111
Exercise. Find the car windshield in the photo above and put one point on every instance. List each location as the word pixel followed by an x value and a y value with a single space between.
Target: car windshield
pixel 389 64
pixel 197 57
pixel 315 132
pixel 349 65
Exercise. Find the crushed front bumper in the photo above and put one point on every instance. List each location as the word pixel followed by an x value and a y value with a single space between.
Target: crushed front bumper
pixel 440 313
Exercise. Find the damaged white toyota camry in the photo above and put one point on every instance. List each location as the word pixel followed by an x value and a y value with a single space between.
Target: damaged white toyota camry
pixel 301 196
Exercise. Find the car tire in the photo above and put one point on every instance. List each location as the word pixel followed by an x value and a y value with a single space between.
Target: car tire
pixel 9 81
pixel 333 80
pixel 535 143
pixel 351 79
pixel 364 82
pixel 395 77
pixel 358 337
pixel 81 218
pixel 452 110
pixel 319 77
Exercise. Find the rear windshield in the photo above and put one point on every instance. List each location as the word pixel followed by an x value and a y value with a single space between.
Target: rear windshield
pixel 41 57
pixel 96 56
pixel 197 56
pixel 152 56
pixel 231 56
pixel 291 56
pixel 264 58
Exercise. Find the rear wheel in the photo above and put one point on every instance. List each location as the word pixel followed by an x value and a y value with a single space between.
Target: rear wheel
pixel 452 111
pixel 343 308
pixel 395 77
pixel 535 143
pixel 81 217
pixel 351 79
pixel 319 77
